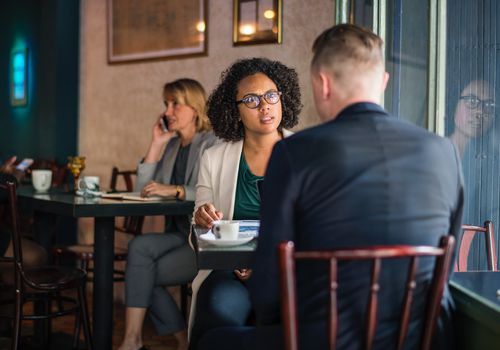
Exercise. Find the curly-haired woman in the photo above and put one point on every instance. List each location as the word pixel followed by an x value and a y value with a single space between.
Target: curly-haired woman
pixel 255 102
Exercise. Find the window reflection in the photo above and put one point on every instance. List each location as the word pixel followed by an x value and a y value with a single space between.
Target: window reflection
pixel 472 122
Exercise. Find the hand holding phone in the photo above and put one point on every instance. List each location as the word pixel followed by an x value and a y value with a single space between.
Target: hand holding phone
pixel 164 124
pixel 25 164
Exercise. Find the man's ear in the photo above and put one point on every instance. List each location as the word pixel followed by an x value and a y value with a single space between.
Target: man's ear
pixel 385 81
pixel 326 85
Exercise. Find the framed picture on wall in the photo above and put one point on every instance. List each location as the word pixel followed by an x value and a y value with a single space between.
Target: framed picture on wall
pixel 257 22
pixel 152 29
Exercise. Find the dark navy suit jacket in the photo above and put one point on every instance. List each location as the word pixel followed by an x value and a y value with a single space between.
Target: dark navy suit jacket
pixel 365 178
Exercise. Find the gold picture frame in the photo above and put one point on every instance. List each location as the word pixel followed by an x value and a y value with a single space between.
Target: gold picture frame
pixel 152 29
pixel 257 22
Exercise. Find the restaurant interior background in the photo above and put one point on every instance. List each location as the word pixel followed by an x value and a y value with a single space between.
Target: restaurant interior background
pixel 80 103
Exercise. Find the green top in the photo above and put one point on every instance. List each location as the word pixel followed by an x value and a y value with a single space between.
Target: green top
pixel 247 201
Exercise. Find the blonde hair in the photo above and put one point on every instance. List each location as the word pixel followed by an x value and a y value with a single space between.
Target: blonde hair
pixel 348 51
pixel 190 92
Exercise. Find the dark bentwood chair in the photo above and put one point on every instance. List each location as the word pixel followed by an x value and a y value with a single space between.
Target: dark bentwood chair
pixel 84 253
pixel 469 232
pixel 288 257
pixel 43 284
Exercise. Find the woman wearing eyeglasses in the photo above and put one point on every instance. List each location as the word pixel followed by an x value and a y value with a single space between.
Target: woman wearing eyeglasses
pixel 474 113
pixel 474 131
pixel 256 100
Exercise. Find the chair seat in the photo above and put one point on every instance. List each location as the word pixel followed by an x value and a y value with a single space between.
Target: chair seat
pixel 54 277
pixel 86 252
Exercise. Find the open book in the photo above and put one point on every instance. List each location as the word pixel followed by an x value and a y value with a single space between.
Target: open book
pixel 132 196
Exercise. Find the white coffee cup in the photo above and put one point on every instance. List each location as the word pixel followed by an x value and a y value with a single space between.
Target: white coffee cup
pixel 42 179
pixel 90 183
pixel 226 229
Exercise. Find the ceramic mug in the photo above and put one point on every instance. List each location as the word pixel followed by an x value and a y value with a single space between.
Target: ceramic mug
pixel 226 229
pixel 89 183
pixel 41 179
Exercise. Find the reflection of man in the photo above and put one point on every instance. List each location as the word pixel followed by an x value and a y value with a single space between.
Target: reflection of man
pixel 474 113
pixel 362 178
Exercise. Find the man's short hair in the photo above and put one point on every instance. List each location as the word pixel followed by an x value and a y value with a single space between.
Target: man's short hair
pixel 347 49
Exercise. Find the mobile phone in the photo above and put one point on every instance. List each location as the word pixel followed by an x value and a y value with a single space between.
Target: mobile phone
pixel 164 123
pixel 25 164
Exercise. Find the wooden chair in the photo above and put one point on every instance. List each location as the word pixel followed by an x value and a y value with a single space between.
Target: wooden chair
pixel 84 253
pixel 288 257
pixel 43 284
pixel 469 232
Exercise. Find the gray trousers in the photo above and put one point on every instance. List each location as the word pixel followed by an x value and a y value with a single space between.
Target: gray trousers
pixel 154 262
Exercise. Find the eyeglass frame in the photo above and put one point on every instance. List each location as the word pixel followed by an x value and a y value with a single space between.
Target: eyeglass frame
pixel 263 96
pixel 487 105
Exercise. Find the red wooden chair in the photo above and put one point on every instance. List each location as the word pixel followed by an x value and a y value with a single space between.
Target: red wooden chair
pixel 288 257
pixel 43 284
pixel 468 235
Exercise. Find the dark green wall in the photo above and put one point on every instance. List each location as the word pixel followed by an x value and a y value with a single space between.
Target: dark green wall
pixel 47 127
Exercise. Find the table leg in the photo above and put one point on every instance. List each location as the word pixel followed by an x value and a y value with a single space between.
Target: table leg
pixel 104 232
pixel 42 226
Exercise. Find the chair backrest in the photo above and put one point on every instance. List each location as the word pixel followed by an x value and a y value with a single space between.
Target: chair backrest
pixel 468 234
pixel 127 178
pixel 288 257
pixel 10 188
pixel 131 224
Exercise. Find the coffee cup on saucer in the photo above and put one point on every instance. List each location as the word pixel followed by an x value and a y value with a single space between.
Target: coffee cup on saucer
pixel 226 229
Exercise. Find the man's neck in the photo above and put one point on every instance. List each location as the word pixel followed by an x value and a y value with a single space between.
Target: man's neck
pixel 338 106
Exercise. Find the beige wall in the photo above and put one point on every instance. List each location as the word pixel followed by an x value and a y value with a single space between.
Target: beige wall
pixel 120 102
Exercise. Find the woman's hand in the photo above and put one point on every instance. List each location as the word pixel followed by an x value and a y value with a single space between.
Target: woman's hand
pixel 160 136
pixel 243 274
pixel 159 139
pixel 206 214
pixel 157 189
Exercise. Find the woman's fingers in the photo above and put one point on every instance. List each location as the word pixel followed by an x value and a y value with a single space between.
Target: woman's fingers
pixel 243 274
pixel 206 215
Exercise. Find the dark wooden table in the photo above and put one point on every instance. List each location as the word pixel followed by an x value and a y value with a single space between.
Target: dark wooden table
pixel 477 317
pixel 210 257
pixel 59 203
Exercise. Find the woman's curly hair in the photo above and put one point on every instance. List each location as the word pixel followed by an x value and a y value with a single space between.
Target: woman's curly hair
pixel 221 106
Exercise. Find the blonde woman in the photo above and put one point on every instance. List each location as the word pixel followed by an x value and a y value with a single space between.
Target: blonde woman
pixel 169 169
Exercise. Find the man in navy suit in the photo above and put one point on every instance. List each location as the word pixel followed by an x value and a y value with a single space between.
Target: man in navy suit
pixel 361 178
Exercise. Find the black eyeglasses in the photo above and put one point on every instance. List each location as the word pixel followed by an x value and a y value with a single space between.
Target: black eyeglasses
pixel 252 101
pixel 474 102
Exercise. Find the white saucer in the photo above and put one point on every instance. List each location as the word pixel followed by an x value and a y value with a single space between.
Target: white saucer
pixel 210 238
pixel 89 193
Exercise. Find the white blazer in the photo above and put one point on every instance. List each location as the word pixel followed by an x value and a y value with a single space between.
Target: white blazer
pixel 217 182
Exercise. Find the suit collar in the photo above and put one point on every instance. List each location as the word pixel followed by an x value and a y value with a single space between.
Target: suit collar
pixel 360 108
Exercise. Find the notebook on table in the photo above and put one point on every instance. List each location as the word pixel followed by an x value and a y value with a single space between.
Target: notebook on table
pixel 132 196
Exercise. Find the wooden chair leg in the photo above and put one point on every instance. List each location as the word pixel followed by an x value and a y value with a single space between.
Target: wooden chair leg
pixel 76 332
pixel 16 333
pixel 184 296
pixel 82 299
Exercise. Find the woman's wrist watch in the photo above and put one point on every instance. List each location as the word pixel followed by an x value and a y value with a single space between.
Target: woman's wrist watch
pixel 178 191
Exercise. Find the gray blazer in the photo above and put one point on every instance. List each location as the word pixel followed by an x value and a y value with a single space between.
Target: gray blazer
pixel 162 171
